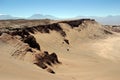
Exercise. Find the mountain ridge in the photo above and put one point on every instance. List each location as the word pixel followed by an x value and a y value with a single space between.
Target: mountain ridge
pixel 107 20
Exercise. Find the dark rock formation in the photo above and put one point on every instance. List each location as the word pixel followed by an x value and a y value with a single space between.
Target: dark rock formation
pixel 46 58
pixel 67 41
pixel 29 29
pixel 47 28
pixel 67 49
pixel 25 36
pixel 41 64
pixel 0 33
pixel 76 23
pixel 31 41
pixel 53 58
pixel 19 31
pixel 50 71
pixel 44 28
pixel 40 28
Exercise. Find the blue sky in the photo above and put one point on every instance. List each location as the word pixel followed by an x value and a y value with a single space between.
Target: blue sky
pixel 60 8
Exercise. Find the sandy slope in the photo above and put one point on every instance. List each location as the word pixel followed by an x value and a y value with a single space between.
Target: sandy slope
pixel 100 61
pixel 88 61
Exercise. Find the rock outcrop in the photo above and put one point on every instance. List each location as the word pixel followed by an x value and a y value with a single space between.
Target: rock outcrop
pixel 46 59
pixel 76 23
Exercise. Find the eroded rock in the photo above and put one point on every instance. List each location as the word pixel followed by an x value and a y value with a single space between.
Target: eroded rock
pixel 31 41
pixel 46 60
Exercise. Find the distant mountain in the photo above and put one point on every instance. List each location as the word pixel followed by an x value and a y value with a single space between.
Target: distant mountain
pixel 40 16
pixel 35 16
pixel 5 17
pixel 108 20
pixel 112 20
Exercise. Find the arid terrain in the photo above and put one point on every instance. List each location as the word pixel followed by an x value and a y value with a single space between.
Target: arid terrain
pixel 79 49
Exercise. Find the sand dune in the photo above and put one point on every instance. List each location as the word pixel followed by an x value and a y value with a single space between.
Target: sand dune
pixel 91 53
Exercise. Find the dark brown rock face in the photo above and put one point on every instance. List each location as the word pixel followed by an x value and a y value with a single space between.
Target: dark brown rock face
pixel 47 28
pixel 46 59
pixel 76 23
pixel 66 41
pixel 31 41
pixel 25 36
pixel 20 32
pixel 50 71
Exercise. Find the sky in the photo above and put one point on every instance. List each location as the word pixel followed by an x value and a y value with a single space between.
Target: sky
pixel 60 8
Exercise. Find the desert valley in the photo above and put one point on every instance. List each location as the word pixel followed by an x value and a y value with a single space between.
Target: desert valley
pixel 46 49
